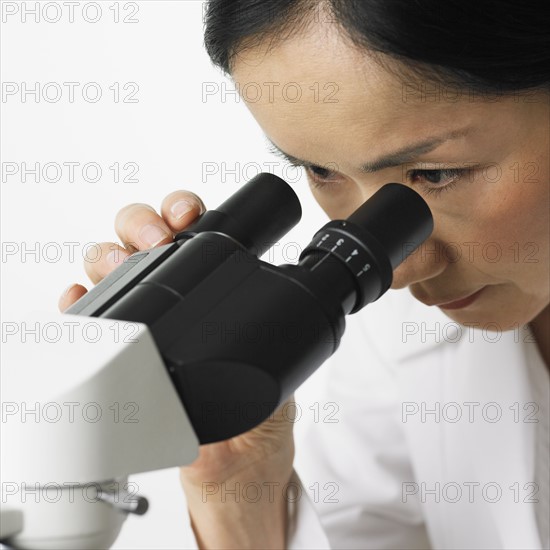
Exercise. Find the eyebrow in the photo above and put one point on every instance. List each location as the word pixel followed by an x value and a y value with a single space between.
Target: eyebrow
pixel 401 156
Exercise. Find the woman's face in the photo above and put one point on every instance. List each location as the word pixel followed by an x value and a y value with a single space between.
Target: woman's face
pixel 491 220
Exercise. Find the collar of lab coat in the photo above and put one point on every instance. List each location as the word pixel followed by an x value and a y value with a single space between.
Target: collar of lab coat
pixel 436 361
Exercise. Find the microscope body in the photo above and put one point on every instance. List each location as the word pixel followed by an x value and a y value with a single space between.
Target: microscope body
pixel 237 335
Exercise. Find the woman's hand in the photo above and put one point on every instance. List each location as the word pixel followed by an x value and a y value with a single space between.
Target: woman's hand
pixel 261 458
pixel 139 227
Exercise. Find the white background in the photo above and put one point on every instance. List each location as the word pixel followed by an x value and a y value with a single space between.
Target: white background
pixel 169 133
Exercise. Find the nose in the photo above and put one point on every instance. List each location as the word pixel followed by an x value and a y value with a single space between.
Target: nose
pixel 426 262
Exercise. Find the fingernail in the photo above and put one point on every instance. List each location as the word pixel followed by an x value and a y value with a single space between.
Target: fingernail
pixel 67 290
pixel 180 208
pixel 152 235
pixel 115 257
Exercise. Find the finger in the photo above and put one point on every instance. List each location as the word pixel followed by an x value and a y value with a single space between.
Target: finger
pixel 139 225
pixel 180 208
pixel 71 294
pixel 105 258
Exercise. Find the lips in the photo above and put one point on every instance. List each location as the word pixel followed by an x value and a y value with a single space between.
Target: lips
pixel 457 303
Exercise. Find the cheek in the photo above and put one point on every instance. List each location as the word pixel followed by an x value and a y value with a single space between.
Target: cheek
pixel 519 215
pixel 506 230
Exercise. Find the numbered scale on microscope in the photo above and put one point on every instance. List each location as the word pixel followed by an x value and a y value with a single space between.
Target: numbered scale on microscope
pixel 346 249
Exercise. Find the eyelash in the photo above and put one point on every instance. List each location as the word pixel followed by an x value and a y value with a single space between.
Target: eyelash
pixel 454 174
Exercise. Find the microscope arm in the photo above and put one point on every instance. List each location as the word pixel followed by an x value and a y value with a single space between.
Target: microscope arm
pixel 85 403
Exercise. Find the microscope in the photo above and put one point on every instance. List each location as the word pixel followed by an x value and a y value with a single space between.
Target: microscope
pixel 189 343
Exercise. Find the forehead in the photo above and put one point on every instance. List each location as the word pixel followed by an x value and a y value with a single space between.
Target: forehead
pixel 318 83
pixel 319 60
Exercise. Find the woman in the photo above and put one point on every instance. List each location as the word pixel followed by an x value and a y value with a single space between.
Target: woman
pixel 451 98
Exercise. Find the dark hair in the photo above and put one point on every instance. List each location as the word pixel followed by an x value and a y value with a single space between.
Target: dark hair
pixel 496 46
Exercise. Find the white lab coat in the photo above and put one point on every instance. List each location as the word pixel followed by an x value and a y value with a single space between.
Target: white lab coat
pixel 383 472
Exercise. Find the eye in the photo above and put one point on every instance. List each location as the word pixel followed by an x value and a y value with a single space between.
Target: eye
pixel 321 176
pixel 436 181
pixel 320 172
